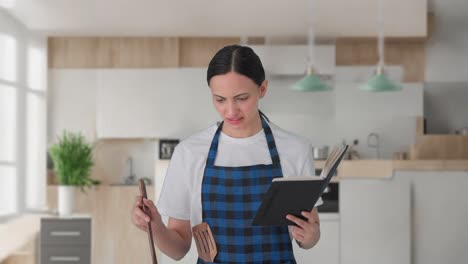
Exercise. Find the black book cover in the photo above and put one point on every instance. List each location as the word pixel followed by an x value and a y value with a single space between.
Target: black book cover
pixel 294 195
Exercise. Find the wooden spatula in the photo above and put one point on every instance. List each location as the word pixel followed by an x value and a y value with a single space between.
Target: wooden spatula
pixel 205 242
pixel 150 231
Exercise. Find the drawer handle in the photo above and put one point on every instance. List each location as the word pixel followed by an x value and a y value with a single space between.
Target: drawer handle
pixel 65 233
pixel 64 259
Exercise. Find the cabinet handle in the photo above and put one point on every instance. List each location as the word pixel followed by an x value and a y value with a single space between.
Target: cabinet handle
pixel 64 259
pixel 65 233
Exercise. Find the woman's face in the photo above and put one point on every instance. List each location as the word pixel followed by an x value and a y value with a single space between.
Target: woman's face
pixel 236 97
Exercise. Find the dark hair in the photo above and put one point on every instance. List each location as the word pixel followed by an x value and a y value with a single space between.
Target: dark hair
pixel 239 59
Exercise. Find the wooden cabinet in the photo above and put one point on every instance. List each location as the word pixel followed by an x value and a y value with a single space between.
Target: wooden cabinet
pixel 134 52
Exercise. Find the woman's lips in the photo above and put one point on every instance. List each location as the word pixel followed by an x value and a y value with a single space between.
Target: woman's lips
pixel 234 121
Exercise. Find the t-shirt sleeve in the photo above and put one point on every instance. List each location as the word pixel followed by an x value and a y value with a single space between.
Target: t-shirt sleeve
pixel 174 200
pixel 308 168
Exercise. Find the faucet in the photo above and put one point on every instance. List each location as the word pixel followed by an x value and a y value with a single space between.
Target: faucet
pixel 131 178
pixel 375 145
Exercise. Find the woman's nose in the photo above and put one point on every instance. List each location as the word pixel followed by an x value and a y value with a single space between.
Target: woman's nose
pixel 231 109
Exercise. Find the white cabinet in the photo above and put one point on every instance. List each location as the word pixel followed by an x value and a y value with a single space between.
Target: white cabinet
pixel 375 221
pixel 153 103
pixel 292 59
pixel 327 249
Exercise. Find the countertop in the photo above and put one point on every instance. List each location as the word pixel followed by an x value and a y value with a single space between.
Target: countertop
pixel 386 168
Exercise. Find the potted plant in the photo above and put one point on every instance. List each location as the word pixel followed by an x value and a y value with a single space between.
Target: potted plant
pixel 73 160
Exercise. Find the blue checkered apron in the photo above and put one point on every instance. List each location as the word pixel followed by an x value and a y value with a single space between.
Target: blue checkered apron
pixel 230 199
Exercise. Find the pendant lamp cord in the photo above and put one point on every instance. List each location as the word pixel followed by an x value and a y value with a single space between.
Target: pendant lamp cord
pixel 310 35
pixel 381 41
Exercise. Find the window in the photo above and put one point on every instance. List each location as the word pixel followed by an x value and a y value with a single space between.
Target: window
pixel 8 125
pixel 9 57
pixel 23 93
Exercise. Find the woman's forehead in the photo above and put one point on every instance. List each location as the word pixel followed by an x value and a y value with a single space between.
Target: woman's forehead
pixel 231 82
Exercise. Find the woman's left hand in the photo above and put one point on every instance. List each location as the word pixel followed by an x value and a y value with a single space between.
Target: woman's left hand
pixel 307 232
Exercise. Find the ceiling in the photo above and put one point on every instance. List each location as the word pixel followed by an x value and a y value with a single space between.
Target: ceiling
pixel 217 17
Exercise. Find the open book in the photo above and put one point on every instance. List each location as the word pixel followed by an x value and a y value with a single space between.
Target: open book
pixel 292 195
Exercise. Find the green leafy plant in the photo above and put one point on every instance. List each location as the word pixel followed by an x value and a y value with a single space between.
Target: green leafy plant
pixel 73 159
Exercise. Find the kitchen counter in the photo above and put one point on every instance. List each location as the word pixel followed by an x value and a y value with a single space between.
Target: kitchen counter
pixel 386 168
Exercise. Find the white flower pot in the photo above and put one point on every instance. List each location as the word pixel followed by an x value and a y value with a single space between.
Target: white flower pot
pixel 66 199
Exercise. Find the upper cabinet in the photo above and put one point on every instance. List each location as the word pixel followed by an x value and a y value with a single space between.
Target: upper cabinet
pixel 152 103
pixel 292 59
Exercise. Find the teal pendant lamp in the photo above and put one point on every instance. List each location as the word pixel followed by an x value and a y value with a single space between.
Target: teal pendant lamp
pixel 311 82
pixel 379 82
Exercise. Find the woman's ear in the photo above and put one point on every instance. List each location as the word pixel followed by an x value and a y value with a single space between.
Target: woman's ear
pixel 263 88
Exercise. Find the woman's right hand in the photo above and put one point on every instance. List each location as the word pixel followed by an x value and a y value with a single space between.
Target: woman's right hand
pixel 140 219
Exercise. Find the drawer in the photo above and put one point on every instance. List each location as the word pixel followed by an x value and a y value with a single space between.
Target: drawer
pixel 65 232
pixel 66 255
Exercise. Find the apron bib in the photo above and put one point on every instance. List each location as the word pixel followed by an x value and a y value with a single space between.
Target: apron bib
pixel 230 199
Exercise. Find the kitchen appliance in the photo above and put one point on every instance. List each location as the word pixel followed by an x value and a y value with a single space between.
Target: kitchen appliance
pixel 462 131
pixel 330 196
pixel 166 148
pixel 400 156
pixel 320 153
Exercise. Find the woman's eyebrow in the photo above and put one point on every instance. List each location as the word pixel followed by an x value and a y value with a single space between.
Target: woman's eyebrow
pixel 241 95
pixel 234 96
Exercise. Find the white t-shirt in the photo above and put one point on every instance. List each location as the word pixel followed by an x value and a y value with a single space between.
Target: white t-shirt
pixel 181 193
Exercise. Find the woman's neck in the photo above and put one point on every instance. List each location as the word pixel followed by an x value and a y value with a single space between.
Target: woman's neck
pixel 247 131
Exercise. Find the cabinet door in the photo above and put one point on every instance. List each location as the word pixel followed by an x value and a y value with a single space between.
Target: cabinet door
pixel 153 103
pixel 327 249
pixel 375 217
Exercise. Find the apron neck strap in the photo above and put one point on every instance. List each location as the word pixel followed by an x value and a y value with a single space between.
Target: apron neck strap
pixel 269 138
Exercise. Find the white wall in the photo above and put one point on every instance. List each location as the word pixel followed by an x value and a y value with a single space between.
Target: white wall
pixel 445 107
pixel 346 113
pixel 325 118
pixel 447 50
pixel 446 95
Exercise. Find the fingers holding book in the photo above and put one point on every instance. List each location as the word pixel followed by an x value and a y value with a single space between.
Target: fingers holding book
pixel 307 230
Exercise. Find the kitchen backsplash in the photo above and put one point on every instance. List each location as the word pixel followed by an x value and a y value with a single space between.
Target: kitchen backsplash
pixel 111 157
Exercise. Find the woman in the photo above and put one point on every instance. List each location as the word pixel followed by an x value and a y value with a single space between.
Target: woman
pixel 218 175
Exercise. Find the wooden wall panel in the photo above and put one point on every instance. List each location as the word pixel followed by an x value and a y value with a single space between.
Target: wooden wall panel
pixel 160 52
pixel 444 147
pixel 197 52
pixel 113 52
pixel 72 52
pixel 138 52
pixel 410 53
